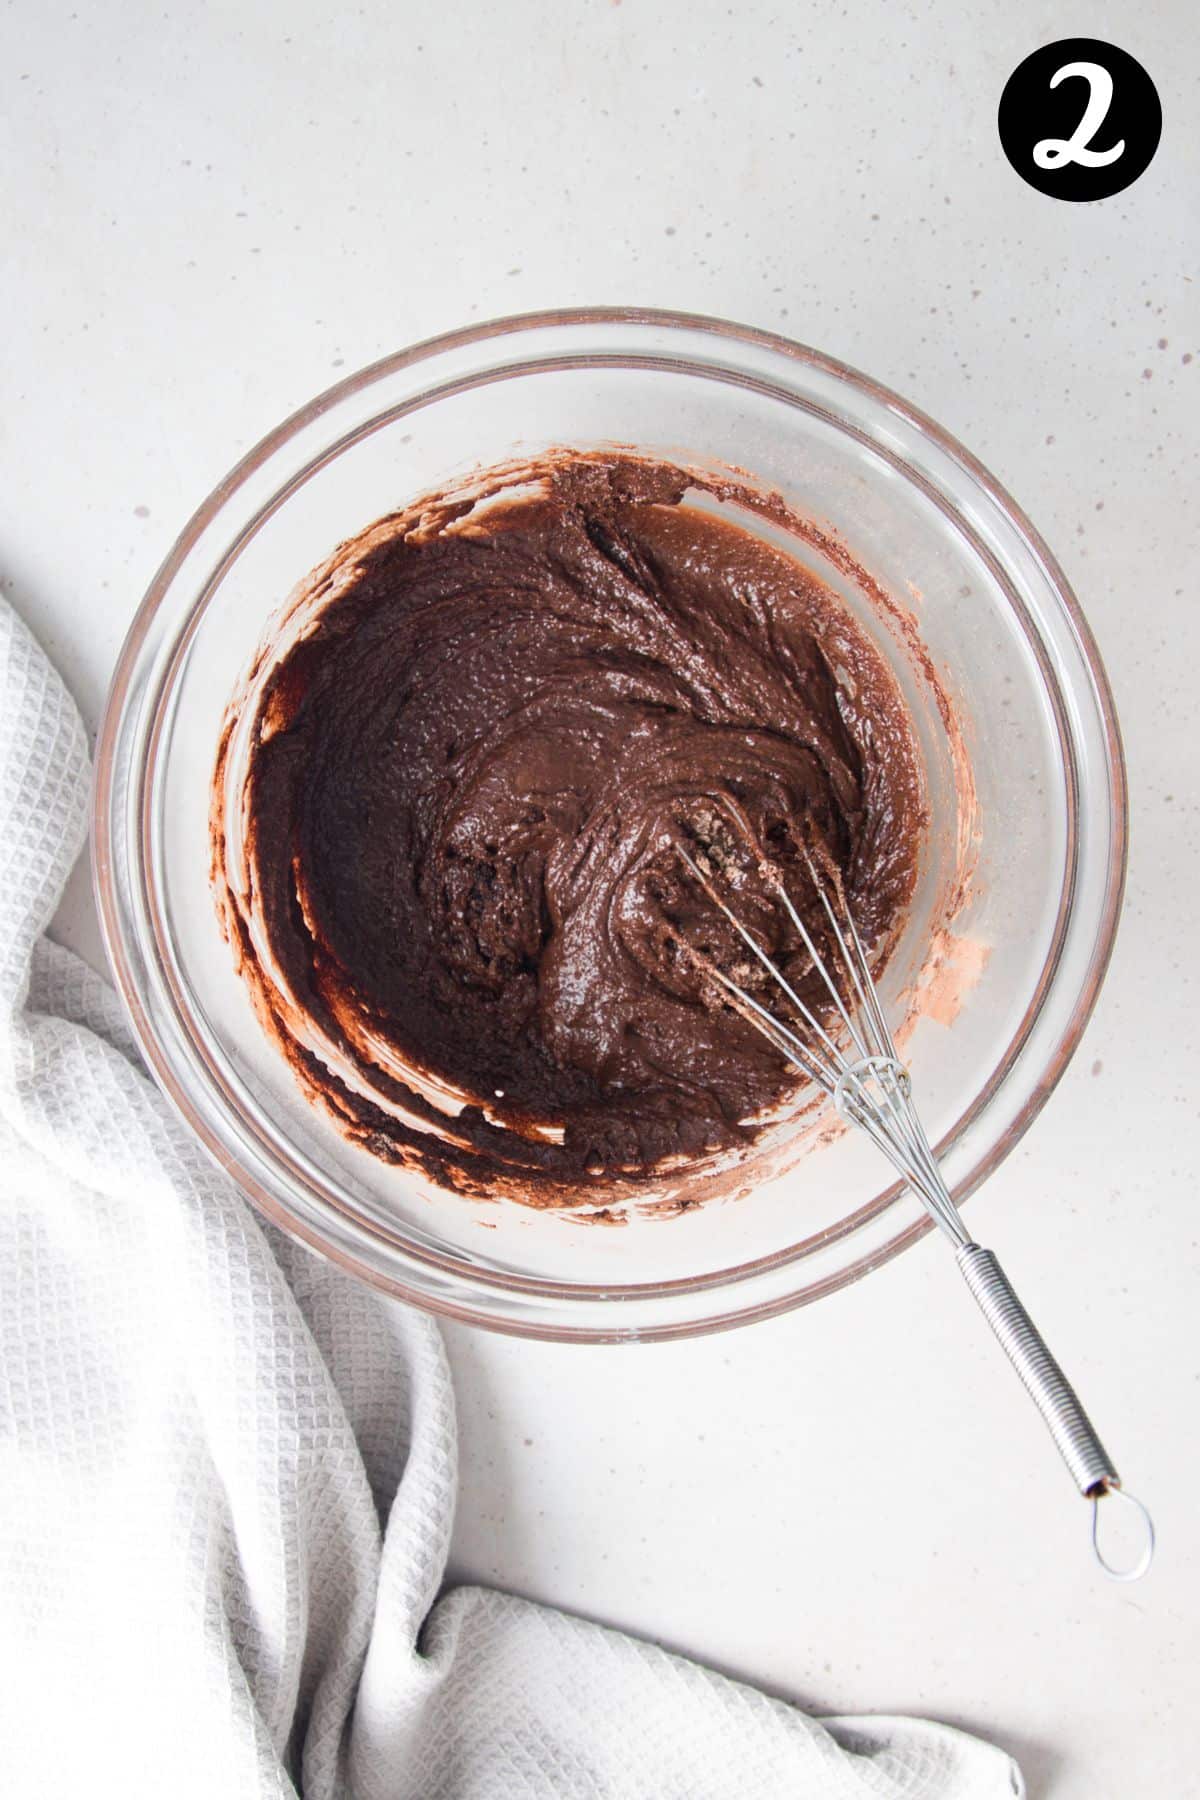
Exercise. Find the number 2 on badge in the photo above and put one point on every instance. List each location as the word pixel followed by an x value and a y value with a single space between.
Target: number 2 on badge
pixel 1053 153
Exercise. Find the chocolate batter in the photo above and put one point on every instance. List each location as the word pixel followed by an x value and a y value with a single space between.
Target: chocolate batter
pixel 459 902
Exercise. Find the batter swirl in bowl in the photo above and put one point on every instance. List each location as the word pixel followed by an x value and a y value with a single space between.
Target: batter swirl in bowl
pixel 470 749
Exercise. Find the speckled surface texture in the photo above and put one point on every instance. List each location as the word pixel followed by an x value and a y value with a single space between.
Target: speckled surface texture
pixel 210 212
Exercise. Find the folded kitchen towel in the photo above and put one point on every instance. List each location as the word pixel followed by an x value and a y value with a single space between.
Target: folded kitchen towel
pixel 227 1472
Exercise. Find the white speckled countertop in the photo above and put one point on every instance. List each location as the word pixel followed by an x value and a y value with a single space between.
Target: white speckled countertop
pixel 209 211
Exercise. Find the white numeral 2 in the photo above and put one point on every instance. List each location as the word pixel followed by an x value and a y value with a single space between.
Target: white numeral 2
pixel 1054 153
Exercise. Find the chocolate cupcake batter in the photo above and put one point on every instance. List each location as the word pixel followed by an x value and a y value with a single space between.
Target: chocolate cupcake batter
pixel 451 872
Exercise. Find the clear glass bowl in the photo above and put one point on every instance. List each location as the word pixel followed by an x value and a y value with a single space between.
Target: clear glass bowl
pixel 998 629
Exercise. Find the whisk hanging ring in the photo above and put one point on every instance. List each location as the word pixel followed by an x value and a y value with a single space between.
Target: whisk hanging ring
pixel 1137 1569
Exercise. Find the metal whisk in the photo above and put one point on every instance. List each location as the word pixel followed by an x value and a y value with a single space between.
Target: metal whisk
pixel 854 1060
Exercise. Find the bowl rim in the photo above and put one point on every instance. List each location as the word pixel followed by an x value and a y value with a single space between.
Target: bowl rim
pixel 110 911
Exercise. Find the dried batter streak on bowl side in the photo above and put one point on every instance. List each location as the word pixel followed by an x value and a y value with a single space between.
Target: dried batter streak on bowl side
pixel 449 868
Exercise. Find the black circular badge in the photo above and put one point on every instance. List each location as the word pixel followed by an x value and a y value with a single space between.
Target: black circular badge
pixel 1079 119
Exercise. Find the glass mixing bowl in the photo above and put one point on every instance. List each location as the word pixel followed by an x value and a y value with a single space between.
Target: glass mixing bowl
pixel 973 603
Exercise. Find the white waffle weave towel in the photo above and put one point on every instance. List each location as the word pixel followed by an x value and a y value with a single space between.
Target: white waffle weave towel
pixel 227 1472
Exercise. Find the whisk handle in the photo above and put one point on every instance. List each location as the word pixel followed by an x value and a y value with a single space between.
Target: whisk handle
pixel 1073 1432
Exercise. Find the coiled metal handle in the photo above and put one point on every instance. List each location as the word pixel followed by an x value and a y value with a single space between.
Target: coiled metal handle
pixel 1074 1434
